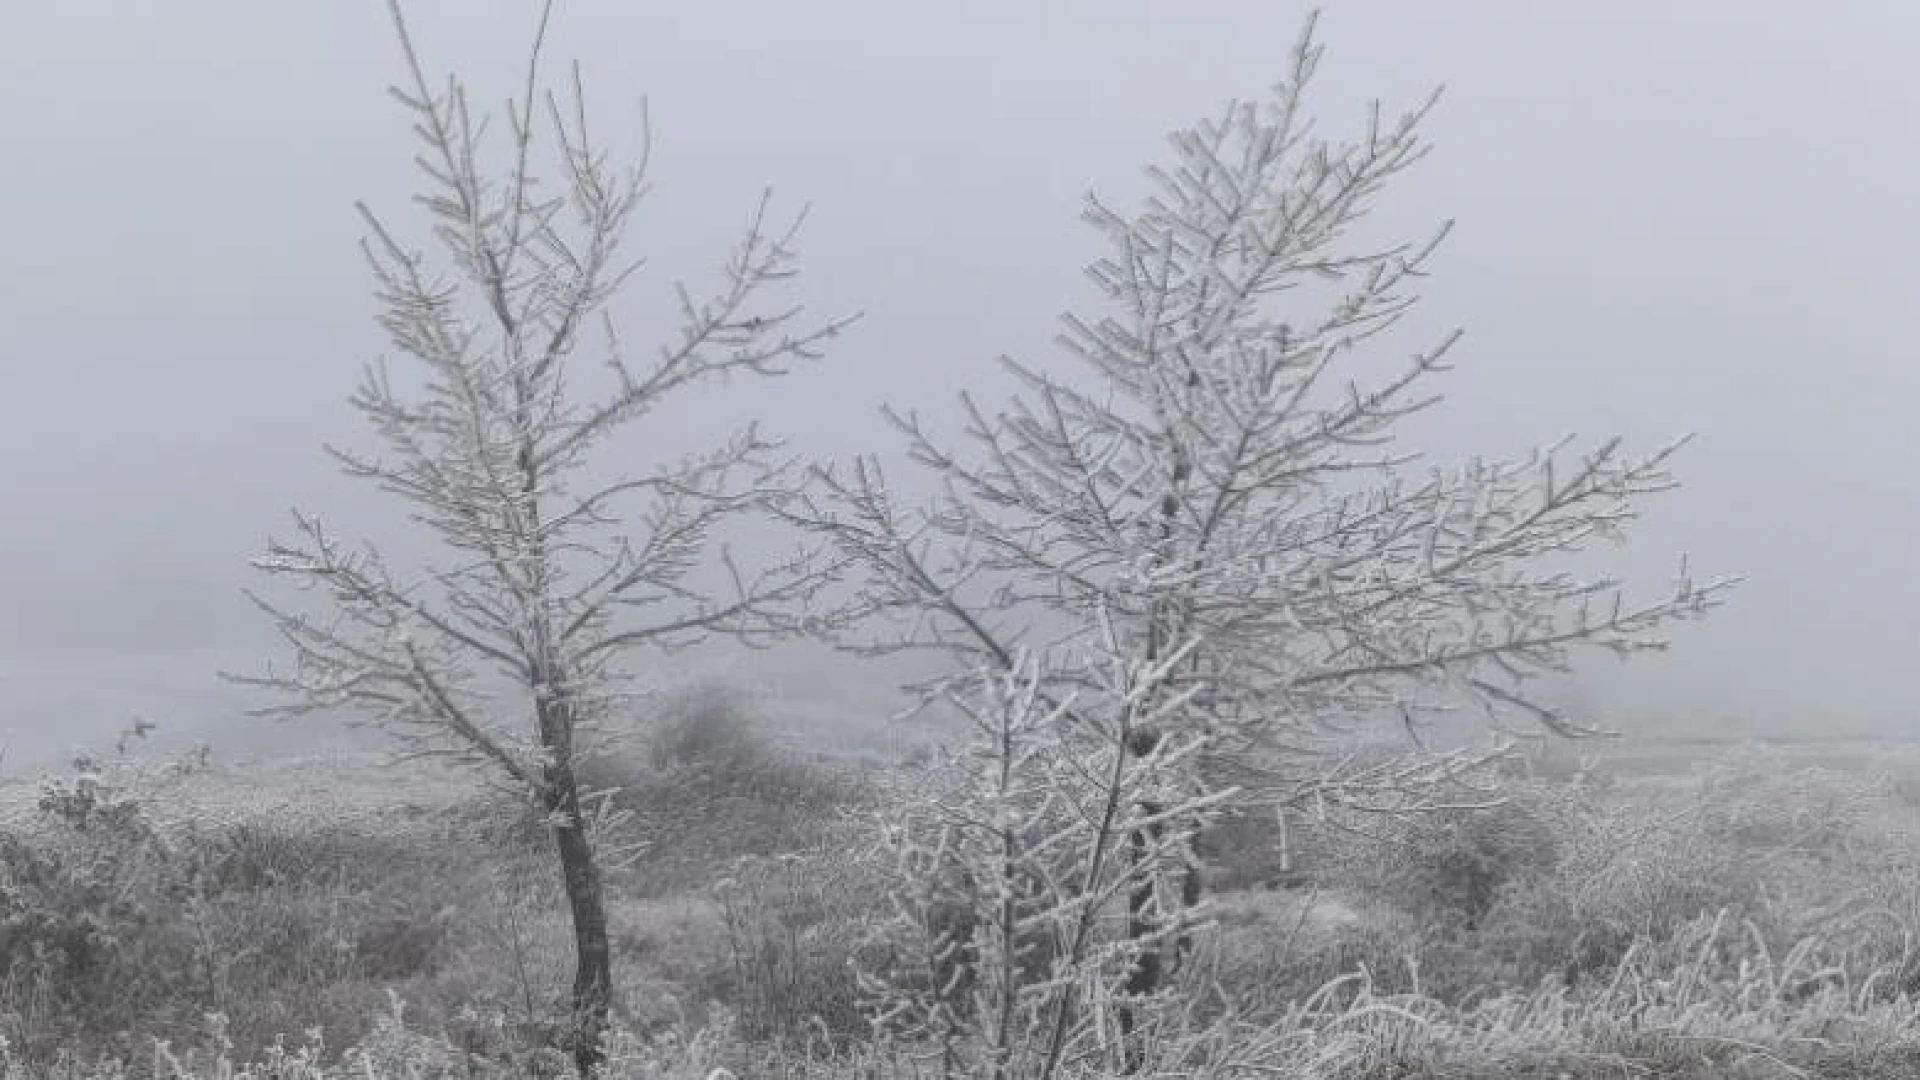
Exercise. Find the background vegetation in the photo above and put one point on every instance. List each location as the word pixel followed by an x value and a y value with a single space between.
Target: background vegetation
pixel 1750 913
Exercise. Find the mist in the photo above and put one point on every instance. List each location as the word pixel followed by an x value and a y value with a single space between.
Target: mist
pixel 1670 219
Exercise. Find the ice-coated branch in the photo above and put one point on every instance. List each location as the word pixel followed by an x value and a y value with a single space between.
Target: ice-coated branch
pixel 1015 856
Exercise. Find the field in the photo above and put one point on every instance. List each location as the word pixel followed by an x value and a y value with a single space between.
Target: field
pixel 1656 909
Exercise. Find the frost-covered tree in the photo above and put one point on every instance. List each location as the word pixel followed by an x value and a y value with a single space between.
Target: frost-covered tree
pixel 1217 468
pixel 1010 861
pixel 555 560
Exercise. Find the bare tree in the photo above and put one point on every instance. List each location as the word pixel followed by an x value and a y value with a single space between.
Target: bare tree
pixel 1223 472
pixel 555 564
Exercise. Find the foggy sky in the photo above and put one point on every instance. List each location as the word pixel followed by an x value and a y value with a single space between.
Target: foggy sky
pixel 1671 217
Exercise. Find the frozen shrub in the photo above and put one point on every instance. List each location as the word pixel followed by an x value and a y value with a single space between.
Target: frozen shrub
pixel 706 729
pixel 711 786
pixel 793 926
pixel 1451 864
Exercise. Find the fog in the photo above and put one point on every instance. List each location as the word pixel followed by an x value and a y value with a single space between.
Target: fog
pixel 1670 218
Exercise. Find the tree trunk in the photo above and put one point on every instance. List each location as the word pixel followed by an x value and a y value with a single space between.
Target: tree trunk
pixel 593 971
pixel 593 955
pixel 586 899
pixel 1142 921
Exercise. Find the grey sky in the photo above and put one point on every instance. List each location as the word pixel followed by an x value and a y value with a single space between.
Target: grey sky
pixel 1671 217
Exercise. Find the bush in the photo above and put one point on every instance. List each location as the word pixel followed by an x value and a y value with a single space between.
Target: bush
pixel 706 731
pixel 1243 850
pixel 1451 865
pixel 91 934
pixel 711 787
pixel 116 925
pixel 1790 854
pixel 1461 860
pixel 794 926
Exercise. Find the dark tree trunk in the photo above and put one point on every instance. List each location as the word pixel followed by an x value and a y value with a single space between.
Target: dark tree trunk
pixel 1142 920
pixel 586 899
pixel 593 971
pixel 1193 886
pixel 1151 967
